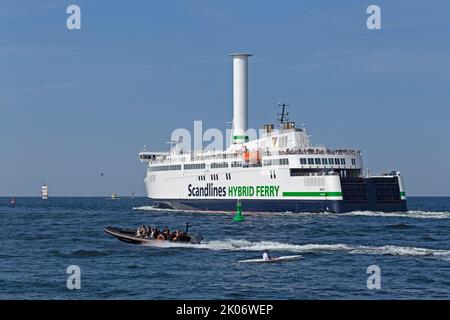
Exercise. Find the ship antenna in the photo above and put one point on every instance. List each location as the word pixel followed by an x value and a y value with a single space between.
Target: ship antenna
pixel 284 113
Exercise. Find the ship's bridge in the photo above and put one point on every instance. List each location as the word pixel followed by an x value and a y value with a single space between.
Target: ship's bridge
pixel 151 156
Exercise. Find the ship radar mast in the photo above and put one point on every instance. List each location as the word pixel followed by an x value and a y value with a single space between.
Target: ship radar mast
pixel 283 116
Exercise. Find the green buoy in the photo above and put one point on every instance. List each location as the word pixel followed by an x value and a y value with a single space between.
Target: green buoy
pixel 238 217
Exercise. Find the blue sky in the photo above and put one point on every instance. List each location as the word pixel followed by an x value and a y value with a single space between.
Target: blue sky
pixel 74 104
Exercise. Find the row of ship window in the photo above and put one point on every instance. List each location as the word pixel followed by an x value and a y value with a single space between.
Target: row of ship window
pixel 214 177
pixel 195 166
pixel 325 161
pixel 276 162
pixel 214 165
pixel 269 162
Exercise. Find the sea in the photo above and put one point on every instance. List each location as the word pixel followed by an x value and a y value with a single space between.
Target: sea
pixel 357 255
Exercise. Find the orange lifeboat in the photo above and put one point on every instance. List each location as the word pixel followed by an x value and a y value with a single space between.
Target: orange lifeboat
pixel 252 156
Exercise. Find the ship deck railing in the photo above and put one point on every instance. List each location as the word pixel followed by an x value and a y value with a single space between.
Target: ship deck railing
pixel 313 151
pixel 199 156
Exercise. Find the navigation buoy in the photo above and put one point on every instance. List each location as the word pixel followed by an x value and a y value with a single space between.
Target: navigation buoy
pixel 238 217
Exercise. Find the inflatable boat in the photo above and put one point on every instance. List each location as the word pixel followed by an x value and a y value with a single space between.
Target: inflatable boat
pixel 129 235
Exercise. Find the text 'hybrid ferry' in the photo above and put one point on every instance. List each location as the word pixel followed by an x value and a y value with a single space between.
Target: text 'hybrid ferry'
pixel 279 171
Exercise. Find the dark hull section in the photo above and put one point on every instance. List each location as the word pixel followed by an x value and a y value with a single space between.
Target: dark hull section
pixel 374 194
pixel 277 205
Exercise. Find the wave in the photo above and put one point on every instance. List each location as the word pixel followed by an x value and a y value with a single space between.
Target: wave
pixel 151 208
pixel 88 253
pixel 408 214
pixel 245 245
pixel 400 226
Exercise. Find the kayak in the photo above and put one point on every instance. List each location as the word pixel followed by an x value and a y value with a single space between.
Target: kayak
pixel 129 236
pixel 274 259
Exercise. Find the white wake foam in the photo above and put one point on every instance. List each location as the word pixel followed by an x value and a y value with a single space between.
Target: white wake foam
pixel 244 245
pixel 155 209
pixel 408 214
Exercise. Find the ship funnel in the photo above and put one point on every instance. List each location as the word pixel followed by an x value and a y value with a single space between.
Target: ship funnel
pixel 240 97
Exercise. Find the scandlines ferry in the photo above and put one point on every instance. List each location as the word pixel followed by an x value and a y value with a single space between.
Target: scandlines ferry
pixel 281 171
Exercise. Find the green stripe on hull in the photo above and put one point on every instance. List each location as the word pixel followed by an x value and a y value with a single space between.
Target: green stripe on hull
pixel 403 193
pixel 312 194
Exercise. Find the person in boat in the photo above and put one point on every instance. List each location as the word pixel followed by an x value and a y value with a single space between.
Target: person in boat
pixel 141 231
pixel 172 236
pixel 166 231
pixel 183 236
pixel 266 256
pixel 179 236
pixel 176 236
pixel 160 236
pixel 153 233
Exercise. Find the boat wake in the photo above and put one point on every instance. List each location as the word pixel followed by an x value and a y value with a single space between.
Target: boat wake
pixel 156 209
pixel 244 245
pixel 408 214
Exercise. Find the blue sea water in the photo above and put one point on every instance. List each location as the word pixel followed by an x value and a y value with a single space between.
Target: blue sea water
pixel 40 239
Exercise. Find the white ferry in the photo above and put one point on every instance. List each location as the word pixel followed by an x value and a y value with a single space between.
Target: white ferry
pixel 279 171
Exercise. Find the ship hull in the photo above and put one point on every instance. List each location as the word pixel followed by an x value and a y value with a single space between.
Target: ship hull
pixel 258 192
pixel 295 206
